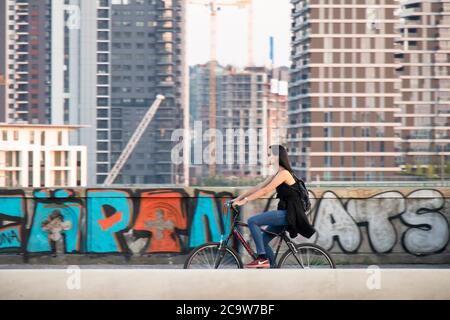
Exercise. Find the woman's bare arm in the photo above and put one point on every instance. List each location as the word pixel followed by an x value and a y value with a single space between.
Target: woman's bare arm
pixel 255 188
pixel 278 179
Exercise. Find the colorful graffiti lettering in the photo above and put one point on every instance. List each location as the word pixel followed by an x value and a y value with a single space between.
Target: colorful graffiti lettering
pixel 110 221
pixel 109 214
pixel 12 220
pixel 161 219
pixel 422 212
pixel 56 225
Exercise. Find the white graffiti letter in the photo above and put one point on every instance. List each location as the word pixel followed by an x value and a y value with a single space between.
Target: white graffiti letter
pixel 376 211
pixel 429 229
pixel 333 220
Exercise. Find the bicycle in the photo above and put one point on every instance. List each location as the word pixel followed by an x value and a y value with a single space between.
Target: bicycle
pixel 219 255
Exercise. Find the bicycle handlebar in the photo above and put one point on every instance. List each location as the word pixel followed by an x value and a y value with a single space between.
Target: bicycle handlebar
pixel 229 204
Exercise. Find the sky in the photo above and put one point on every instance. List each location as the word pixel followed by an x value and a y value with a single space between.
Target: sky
pixel 271 18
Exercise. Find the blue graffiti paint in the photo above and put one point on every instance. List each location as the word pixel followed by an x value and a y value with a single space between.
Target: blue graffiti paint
pixel 10 237
pixel 42 194
pixel 39 238
pixel 13 206
pixel 206 207
pixel 63 193
pixel 99 238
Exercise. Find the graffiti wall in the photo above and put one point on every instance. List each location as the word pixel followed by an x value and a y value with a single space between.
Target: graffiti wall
pixel 107 221
pixel 378 226
pixel 357 226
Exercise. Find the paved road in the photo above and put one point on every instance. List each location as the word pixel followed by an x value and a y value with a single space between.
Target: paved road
pixel 172 284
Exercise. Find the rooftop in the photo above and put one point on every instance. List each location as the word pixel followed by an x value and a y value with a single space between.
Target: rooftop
pixel 41 126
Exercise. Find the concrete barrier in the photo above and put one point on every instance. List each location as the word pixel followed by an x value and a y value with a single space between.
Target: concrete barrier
pixel 225 284
pixel 357 225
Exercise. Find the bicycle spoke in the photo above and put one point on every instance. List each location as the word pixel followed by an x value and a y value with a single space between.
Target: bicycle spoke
pixel 307 257
pixel 206 258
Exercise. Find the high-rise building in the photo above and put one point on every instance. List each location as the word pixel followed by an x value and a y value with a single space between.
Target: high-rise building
pixel 199 93
pixel 25 69
pixel 254 101
pixel 199 107
pixel 80 79
pixel 57 56
pixel 423 57
pixel 251 101
pixel 3 61
pixel 342 90
pixel 147 47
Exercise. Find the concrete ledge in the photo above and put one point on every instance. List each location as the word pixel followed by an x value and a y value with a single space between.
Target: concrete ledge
pixel 226 284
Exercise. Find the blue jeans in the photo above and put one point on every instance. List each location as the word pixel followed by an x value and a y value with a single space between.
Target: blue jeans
pixel 276 220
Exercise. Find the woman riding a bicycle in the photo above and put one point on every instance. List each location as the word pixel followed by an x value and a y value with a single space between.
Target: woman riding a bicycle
pixel 290 212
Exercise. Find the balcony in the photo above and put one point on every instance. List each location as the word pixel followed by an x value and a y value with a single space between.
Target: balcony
pixel 165 62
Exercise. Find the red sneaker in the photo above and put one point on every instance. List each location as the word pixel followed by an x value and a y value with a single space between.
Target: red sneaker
pixel 259 263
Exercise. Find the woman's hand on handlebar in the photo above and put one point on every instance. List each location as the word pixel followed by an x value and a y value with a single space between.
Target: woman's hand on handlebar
pixel 237 202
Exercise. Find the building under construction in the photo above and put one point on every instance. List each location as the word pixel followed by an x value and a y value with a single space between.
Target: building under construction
pixel 251 98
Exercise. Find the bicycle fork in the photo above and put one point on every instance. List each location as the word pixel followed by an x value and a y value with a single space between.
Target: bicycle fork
pixel 294 253
pixel 222 250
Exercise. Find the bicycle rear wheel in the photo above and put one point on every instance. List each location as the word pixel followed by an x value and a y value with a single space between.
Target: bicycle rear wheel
pixel 205 257
pixel 308 256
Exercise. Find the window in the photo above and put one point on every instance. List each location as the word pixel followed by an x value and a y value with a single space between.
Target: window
pixel 116 146
pixel 102 102
pixel 103 24
pixel 102 146
pixel 60 138
pixel 116 123
pixel 102 79
pixel 102 113
pixel 116 135
pixel 116 113
pixel 102 68
pixel 103 46
pixel 102 91
pixel 102 124
pixel 102 168
pixel 102 135
pixel 102 157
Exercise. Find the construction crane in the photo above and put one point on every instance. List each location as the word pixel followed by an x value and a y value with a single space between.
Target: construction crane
pixel 134 140
pixel 214 7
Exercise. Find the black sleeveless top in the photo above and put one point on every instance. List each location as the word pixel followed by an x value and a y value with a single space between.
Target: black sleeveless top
pixel 290 201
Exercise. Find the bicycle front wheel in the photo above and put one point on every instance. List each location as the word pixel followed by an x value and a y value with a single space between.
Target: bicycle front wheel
pixel 206 257
pixel 308 256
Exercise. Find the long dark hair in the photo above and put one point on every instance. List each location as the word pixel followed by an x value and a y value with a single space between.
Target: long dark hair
pixel 283 158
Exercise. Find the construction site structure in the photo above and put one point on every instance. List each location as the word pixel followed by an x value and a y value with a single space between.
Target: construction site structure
pixel 214 7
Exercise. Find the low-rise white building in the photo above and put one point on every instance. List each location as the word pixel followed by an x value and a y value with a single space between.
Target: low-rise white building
pixel 40 156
